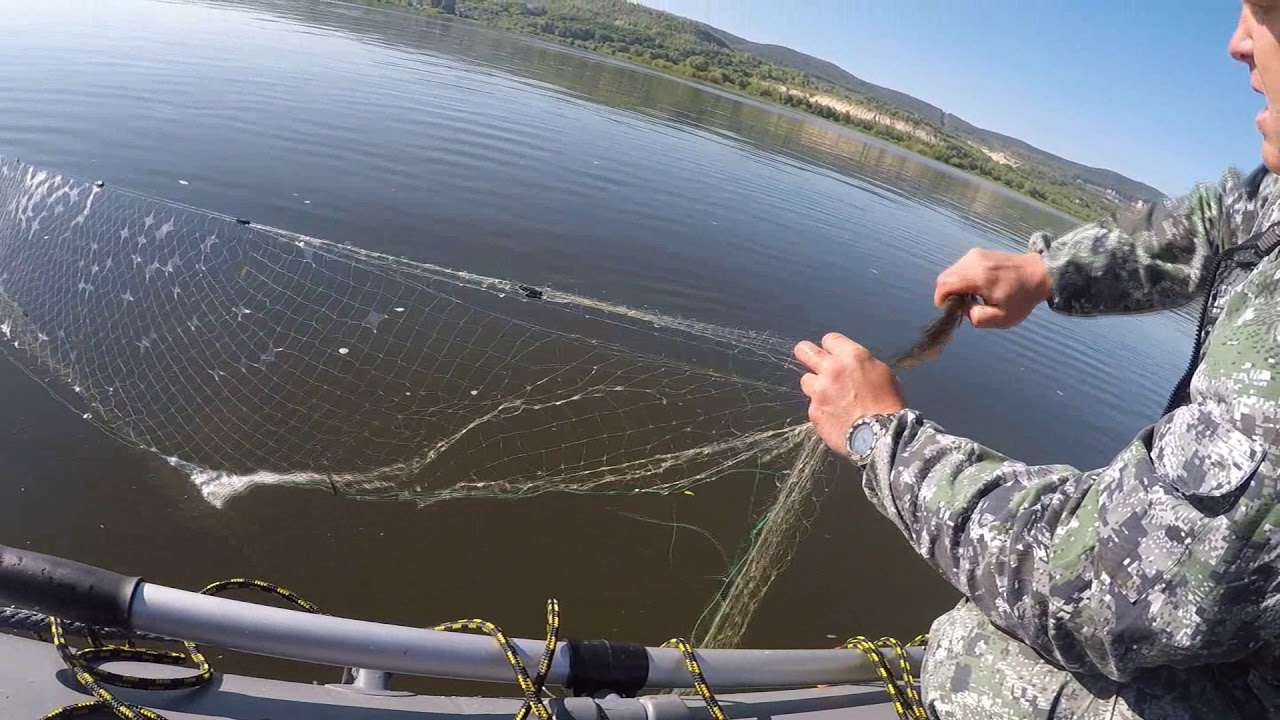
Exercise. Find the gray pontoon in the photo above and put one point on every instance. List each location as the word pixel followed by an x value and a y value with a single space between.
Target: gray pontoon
pixel 600 680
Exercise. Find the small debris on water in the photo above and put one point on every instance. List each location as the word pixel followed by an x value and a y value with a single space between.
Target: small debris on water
pixel 343 351
pixel 183 182
pixel 372 320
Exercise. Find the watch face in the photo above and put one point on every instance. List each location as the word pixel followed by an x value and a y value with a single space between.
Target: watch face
pixel 863 438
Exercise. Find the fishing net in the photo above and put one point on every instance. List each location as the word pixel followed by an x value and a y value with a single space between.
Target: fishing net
pixel 246 355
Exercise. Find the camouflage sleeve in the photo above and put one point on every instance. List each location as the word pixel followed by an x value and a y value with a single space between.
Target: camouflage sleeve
pixel 1166 556
pixel 1152 259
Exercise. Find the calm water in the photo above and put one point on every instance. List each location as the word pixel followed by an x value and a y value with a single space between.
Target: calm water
pixel 511 158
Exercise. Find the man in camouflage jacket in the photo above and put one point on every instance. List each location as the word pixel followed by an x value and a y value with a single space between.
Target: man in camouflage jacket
pixel 1148 588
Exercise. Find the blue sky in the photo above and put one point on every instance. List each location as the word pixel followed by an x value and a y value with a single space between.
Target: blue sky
pixel 1143 88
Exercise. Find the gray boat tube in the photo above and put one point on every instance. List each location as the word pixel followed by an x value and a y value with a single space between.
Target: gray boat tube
pixel 84 593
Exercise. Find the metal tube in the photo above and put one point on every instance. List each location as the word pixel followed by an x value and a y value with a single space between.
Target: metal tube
pixel 345 642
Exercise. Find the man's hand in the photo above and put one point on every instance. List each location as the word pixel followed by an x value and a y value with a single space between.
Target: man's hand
pixel 1010 284
pixel 846 384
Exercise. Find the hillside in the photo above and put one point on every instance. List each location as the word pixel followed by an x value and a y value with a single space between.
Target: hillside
pixel 680 46
pixel 1126 189
pixel 833 74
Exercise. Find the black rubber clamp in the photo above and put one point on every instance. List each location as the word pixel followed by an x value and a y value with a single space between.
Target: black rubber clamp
pixel 599 665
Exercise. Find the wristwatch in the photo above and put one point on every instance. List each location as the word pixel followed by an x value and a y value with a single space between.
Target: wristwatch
pixel 863 436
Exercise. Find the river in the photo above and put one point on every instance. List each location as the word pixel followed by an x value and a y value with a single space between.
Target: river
pixel 476 150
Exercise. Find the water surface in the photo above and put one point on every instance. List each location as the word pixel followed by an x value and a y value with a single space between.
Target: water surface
pixel 472 149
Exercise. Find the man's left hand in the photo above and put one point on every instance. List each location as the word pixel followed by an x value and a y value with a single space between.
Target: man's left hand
pixel 846 384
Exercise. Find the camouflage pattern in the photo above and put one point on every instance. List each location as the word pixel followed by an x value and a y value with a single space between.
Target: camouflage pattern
pixel 1146 588
pixel 976 671
pixel 1155 258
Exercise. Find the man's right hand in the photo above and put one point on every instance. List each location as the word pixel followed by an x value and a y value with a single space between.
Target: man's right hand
pixel 1010 284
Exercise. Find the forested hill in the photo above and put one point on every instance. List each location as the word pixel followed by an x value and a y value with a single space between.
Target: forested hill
pixel 1127 188
pixel 684 47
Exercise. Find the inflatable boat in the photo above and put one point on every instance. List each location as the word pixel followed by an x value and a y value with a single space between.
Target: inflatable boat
pixel 46 603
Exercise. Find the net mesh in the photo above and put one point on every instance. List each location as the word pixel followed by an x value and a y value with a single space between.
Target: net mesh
pixel 247 355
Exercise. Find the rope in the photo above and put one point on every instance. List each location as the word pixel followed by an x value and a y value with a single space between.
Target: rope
pixel 38 624
pixel 532 687
pixel 84 663
pixel 699 680
pixel 906 702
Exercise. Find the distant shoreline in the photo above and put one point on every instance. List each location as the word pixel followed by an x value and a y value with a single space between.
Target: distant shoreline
pixel 862 115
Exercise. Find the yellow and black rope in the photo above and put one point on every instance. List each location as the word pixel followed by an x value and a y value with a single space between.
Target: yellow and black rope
pixel 906 699
pixel 532 687
pixel 699 680
pixel 84 664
